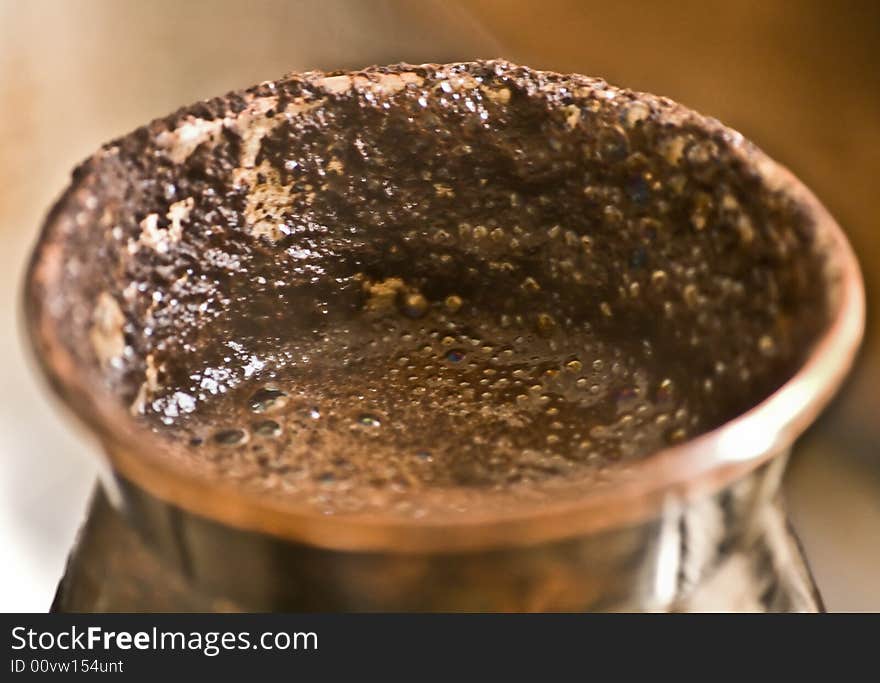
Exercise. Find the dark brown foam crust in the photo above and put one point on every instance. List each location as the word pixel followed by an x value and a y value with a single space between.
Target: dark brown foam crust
pixel 259 214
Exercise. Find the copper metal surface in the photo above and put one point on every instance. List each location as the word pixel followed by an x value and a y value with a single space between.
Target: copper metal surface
pixel 700 466
pixel 618 547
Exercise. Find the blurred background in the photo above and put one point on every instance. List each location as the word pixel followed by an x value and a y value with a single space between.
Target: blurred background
pixel 799 77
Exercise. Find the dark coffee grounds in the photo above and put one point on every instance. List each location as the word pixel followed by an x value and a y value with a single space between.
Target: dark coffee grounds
pixel 359 289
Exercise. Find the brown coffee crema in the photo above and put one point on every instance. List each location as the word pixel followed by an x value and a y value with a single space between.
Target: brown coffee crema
pixel 414 287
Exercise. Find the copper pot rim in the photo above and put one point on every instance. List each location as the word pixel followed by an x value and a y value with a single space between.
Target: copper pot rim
pixel 700 466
